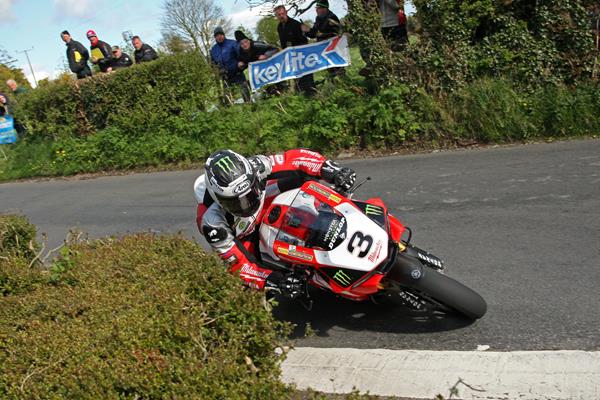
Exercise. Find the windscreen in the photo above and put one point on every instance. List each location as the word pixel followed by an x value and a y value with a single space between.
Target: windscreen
pixel 312 223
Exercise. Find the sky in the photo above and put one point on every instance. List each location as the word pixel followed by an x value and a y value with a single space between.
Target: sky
pixel 27 24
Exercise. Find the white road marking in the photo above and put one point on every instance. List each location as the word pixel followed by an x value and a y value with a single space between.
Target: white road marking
pixel 523 375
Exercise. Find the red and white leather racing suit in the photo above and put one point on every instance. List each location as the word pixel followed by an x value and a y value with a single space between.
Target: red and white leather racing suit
pixel 234 238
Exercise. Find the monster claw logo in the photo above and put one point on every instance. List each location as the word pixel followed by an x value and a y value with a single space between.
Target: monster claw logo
pixel 342 278
pixel 373 210
pixel 225 164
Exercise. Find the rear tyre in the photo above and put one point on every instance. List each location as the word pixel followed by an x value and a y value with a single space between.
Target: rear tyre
pixel 439 289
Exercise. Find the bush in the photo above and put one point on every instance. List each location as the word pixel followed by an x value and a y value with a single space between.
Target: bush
pixel 17 237
pixel 133 100
pixel 139 317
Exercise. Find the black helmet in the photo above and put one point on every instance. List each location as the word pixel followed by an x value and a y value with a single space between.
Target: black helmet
pixel 232 181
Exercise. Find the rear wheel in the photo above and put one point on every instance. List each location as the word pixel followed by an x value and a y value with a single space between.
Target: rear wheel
pixel 437 289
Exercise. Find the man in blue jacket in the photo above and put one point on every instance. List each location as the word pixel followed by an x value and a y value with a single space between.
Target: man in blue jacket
pixel 224 54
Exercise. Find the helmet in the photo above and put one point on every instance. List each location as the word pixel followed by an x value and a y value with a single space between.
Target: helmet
pixel 232 181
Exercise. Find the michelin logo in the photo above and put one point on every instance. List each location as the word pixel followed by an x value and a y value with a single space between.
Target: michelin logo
pixel 295 62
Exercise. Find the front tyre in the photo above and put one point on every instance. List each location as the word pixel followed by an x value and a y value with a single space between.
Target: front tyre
pixel 437 288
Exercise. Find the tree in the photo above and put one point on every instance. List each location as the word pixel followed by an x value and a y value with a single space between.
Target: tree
pixel 6 59
pixel 172 43
pixel 266 30
pixel 193 21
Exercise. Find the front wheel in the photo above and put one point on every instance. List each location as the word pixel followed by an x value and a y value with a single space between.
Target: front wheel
pixel 437 288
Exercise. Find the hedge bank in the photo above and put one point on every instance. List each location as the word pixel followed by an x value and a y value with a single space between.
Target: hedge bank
pixel 138 317
pixel 342 116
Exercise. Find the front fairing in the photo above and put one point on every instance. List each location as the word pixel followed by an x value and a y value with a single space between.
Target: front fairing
pixel 316 226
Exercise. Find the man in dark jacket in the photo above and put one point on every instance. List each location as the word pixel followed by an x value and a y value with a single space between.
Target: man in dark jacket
pixel 327 25
pixel 290 34
pixel 224 54
pixel 101 52
pixel 143 52
pixel 119 59
pixel 77 56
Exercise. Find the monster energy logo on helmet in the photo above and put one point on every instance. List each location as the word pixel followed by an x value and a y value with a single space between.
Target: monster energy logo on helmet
pixel 226 164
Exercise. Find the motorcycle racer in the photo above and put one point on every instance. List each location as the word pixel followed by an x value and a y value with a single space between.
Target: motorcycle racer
pixel 234 193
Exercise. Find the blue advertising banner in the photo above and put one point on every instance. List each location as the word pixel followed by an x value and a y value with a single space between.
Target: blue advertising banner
pixel 7 130
pixel 295 62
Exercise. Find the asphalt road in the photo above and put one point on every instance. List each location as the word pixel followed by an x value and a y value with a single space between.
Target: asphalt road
pixel 521 225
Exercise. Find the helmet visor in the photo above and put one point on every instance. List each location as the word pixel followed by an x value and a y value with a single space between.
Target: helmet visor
pixel 243 206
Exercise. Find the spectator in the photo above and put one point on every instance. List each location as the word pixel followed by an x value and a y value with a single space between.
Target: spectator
pixel 251 51
pixel 4 104
pixel 224 54
pixel 143 52
pixel 101 52
pixel 393 23
pixel 290 34
pixel 16 89
pixel 77 56
pixel 119 59
pixel 327 25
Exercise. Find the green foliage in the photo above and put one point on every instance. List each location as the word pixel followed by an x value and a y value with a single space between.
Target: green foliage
pixel 266 30
pixel 17 237
pixel 341 116
pixel 532 43
pixel 133 100
pixel 139 317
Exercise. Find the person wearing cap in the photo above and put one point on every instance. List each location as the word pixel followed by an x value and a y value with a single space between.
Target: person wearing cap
pixel 290 34
pixel 143 52
pixel 224 54
pixel 77 56
pixel 101 52
pixel 326 26
pixel 119 59
pixel 251 50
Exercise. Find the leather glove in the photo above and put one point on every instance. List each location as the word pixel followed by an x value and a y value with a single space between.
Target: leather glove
pixel 344 178
pixel 287 285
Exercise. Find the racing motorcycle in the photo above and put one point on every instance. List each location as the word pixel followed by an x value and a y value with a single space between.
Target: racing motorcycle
pixel 357 250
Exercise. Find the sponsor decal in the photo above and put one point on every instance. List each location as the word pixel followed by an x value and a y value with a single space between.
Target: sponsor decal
pixel 334 198
pixel 310 153
pixel 292 252
pixel 242 225
pixel 334 231
pixel 297 61
pixel 311 165
pixel 242 187
pixel 277 159
pixel 373 210
pixel 212 233
pixel 319 190
pixel 375 254
pixel 342 278
pixel 302 256
pixel 251 272
pixel 430 260
pixel 225 163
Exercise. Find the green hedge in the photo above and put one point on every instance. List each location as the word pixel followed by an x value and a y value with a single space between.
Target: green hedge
pixel 17 237
pixel 341 116
pixel 139 317
pixel 133 100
